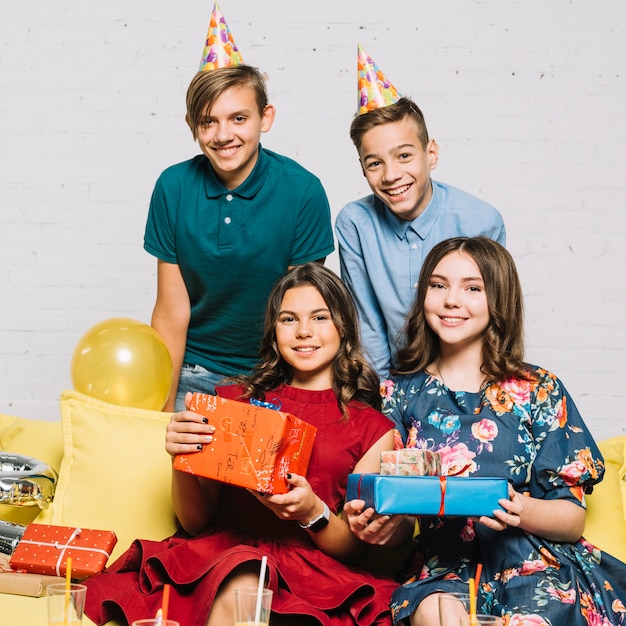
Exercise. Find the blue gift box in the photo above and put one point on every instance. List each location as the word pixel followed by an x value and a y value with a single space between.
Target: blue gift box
pixel 428 495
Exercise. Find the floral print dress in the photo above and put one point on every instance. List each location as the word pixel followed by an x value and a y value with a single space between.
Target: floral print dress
pixel 531 433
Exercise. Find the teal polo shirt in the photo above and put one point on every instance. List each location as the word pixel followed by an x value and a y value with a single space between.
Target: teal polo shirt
pixel 232 246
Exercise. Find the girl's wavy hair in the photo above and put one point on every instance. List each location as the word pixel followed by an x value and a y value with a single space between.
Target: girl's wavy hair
pixel 353 378
pixel 503 341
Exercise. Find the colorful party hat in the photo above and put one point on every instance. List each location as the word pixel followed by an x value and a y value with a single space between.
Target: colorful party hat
pixel 375 91
pixel 220 49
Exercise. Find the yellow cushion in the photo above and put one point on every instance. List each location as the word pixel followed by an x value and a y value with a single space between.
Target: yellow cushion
pixel 115 473
pixel 35 438
pixel 605 526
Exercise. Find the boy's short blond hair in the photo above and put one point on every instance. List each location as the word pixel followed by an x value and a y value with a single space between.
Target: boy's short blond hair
pixel 386 115
pixel 206 87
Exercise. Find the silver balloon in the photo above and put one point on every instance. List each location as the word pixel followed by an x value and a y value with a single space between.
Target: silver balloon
pixel 10 536
pixel 25 481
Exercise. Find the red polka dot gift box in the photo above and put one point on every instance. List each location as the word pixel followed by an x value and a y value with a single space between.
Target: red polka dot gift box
pixel 44 549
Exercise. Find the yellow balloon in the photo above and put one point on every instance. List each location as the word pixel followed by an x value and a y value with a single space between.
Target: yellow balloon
pixel 123 361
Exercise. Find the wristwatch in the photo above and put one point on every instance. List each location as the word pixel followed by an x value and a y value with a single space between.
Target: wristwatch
pixel 319 522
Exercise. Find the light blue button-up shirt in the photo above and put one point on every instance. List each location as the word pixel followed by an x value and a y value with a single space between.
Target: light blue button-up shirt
pixel 381 257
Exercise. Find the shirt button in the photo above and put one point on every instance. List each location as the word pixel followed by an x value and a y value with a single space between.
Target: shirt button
pixel 414 285
pixel 414 246
pixel 227 220
pixel 229 197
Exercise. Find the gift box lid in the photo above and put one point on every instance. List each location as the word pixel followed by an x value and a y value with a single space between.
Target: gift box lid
pixel 253 446
pixel 428 495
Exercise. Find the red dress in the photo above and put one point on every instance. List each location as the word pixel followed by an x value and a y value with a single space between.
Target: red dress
pixel 305 580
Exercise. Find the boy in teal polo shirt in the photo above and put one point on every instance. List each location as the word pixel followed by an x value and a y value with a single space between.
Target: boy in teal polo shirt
pixel 226 225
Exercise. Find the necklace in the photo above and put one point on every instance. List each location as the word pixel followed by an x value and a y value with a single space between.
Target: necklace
pixel 440 374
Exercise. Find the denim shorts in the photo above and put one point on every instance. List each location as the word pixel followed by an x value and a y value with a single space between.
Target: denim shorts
pixel 195 378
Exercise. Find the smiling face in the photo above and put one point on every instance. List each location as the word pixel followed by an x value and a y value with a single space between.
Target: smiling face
pixel 455 306
pixel 230 131
pixel 397 167
pixel 307 337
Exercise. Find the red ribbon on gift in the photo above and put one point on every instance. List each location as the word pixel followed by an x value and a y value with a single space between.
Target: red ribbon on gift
pixel 358 488
pixel 443 483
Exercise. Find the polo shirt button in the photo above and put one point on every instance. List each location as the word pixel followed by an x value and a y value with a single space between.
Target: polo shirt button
pixel 227 220
pixel 229 197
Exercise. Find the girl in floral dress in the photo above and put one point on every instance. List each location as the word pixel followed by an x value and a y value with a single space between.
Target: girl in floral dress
pixel 462 389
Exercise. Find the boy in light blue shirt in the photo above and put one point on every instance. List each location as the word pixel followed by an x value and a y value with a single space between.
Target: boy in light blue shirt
pixel 384 237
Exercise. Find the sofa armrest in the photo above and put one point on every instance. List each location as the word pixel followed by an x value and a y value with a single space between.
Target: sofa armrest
pixel 605 525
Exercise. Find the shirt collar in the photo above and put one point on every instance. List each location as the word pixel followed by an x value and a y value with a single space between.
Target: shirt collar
pixel 248 189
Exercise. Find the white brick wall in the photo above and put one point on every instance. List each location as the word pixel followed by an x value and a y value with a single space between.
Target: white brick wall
pixel 526 99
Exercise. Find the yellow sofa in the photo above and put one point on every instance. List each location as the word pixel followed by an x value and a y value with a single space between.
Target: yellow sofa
pixel 114 474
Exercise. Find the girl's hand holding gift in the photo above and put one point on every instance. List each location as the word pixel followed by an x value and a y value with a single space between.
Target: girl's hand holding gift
pixel 299 503
pixel 511 516
pixel 375 529
pixel 187 431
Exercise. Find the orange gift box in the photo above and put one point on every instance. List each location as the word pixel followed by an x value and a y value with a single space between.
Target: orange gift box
pixel 253 446
pixel 44 549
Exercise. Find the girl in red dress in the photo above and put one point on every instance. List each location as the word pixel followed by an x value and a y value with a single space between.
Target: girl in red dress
pixel 312 366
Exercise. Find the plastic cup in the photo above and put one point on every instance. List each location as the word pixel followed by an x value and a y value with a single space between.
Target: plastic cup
pixel 454 611
pixel 453 607
pixel 246 606
pixel 66 604
pixel 153 621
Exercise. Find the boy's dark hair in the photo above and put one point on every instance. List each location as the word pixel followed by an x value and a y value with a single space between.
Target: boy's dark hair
pixel 503 341
pixel 206 87
pixel 385 115
pixel 353 378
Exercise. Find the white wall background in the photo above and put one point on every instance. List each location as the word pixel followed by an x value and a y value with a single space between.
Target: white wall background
pixel 526 99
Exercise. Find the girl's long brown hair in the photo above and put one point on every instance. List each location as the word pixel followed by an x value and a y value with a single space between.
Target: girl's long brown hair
pixel 353 378
pixel 503 341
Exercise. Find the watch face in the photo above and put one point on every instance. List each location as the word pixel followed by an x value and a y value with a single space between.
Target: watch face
pixel 319 524
pixel 322 522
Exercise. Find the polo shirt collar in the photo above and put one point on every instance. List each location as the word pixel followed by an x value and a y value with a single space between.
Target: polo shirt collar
pixel 423 223
pixel 248 189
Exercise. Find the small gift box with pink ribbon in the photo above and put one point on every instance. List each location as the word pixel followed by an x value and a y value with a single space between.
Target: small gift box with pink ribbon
pixel 410 462
pixel 44 549
pixel 428 495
